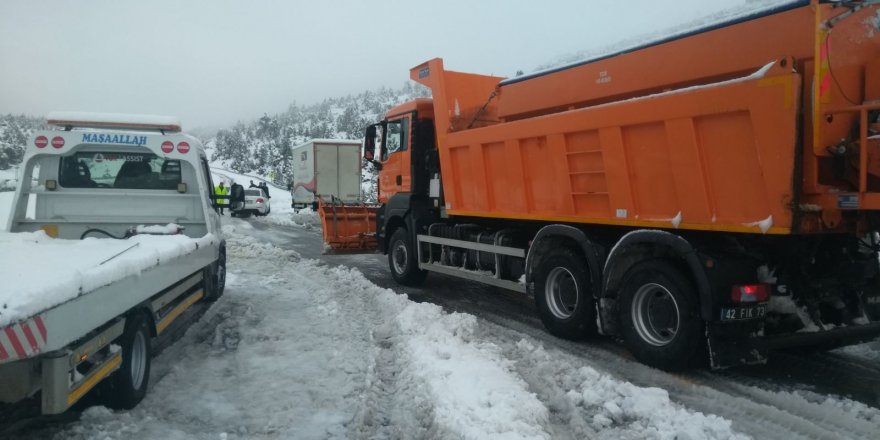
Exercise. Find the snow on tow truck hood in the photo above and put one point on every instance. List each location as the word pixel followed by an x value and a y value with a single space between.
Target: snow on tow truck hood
pixel 40 272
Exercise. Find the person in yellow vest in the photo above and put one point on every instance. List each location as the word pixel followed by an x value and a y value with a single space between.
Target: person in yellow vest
pixel 221 191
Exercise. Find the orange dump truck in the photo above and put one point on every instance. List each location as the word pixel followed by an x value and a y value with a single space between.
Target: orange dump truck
pixel 712 196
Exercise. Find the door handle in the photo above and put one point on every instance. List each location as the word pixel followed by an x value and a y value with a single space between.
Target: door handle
pixel 399 180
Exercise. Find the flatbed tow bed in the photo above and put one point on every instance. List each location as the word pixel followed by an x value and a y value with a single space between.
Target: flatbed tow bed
pixel 80 308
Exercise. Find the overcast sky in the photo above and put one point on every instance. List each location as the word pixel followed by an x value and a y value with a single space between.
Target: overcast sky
pixel 214 62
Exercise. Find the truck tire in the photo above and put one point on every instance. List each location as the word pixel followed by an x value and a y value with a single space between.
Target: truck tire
pixel 659 316
pixel 402 260
pixel 128 385
pixel 215 278
pixel 563 295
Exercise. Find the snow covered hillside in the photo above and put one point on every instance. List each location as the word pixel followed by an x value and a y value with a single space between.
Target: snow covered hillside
pixel 263 147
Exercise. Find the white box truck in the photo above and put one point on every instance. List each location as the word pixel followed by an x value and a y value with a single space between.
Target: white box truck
pixel 328 168
pixel 113 235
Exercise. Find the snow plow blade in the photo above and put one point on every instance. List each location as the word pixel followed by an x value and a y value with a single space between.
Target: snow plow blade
pixel 348 227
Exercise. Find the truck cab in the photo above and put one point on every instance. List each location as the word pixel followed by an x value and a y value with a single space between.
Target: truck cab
pixel 112 176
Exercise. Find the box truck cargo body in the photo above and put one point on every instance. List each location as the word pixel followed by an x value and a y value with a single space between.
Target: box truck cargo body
pixel 328 168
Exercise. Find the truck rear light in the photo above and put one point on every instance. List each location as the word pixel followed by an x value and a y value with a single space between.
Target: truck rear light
pixel 182 147
pixel 41 141
pixel 260 200
pixel 167 147
pixel 57 141
pixel 750 293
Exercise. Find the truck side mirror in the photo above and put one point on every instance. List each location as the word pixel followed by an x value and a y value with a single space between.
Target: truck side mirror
pixel 370 143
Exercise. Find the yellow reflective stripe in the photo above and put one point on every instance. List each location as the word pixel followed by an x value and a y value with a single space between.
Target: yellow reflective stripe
pixel 93 380
pixel 170 317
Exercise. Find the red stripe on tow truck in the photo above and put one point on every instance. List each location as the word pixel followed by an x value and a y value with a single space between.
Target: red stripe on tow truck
pixel 29 334
pixel 13 338
pixel 3 354
pixel 41 327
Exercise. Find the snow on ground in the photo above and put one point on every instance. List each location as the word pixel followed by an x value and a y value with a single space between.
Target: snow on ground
pixel 297 349
pixel 77 266
pixel 281 213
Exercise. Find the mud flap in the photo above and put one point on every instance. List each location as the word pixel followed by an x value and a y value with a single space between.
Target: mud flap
pixel 729 352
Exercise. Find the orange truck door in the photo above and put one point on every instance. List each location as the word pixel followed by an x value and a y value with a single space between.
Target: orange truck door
pixel 395 176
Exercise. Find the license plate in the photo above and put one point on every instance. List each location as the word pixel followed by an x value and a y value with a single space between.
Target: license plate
pixel 740 313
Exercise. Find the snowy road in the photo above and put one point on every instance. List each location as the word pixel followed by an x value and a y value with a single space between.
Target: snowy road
pixel 301 347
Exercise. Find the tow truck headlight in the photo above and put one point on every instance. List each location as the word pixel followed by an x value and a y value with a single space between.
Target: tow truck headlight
pixel 51 185
pixel 181 188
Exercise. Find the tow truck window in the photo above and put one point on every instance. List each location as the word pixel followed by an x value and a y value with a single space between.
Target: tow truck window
pixel 119 170
pixel 395 137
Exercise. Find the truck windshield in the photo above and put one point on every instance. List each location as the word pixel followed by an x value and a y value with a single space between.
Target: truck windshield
pixel 395 137
pixel 119 170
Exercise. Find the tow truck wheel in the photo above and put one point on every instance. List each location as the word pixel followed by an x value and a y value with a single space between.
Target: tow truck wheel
pixel 215 277
pixel 402 260
pixel 128 385
pixel 563 295
pixel 659 316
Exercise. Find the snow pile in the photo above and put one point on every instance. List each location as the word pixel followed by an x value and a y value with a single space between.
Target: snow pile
pixel 475 393
pixel 302 218
pixel 40 272
pixel 168 229
pixel 457 386
pixel 243 246
pixel 606 407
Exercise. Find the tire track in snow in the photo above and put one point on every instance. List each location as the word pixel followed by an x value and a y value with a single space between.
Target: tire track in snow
pixel 391 403
pixel 730 394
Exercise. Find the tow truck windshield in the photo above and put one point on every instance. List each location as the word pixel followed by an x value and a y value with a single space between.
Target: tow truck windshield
pixel 119 170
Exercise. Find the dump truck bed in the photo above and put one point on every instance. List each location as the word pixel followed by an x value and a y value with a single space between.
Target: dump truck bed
pixel 746 127
pixel 67 288
pixel 717 158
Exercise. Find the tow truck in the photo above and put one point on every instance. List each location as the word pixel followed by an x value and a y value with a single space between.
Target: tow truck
pixel 112 236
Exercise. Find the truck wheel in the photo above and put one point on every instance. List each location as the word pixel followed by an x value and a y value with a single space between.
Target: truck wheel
pixel 563 295
pixel 215 277
pixel 128 385
pixel 659 316
pixel 402 260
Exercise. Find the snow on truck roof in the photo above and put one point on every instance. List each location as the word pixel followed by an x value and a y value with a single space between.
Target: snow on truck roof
pixel 58 270
pixel 736 16
pixel 114 120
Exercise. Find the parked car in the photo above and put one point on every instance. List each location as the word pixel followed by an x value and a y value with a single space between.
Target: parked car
pixel 255 202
